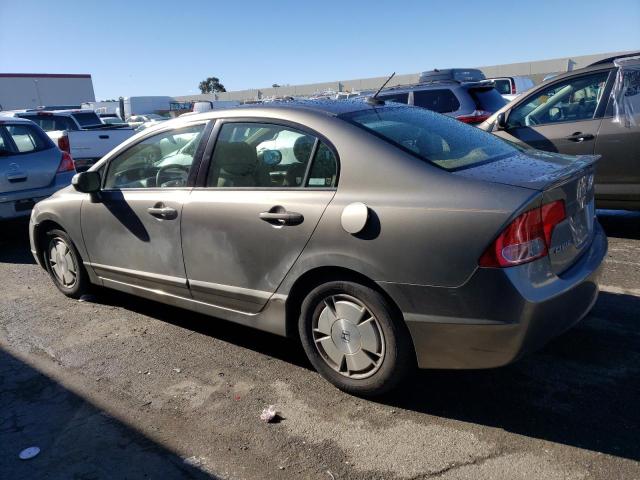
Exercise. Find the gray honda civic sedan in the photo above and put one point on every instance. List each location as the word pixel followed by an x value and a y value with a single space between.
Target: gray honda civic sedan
pixel 384 237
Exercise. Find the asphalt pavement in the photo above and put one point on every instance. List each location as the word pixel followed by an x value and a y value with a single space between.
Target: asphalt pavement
pixel 120 387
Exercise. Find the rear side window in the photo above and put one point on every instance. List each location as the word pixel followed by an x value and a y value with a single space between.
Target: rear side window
pixel 397 98
pixel 324 168
pixel 26 138
pixel 487 99
pixel 87 119
pixel 441 101
pixel 503 86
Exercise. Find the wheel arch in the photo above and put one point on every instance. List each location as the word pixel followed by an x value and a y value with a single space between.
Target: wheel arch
pixel 319 275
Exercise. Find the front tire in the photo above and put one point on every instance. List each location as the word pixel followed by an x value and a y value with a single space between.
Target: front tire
pixel 354 339
pixel 64 264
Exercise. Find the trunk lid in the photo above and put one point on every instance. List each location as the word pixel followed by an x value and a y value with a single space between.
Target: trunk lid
pixel 28 171
pixel 557 177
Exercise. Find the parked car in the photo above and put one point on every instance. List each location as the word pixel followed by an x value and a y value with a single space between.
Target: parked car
pixel 136 120
pixel 398 236
pixel 31 167
pixel 511 87
pixel 79 132
pixel 115 120
pixel 470 101
pixel 574 113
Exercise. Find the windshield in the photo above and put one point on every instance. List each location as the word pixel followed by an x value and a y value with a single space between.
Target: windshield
pixel 443 141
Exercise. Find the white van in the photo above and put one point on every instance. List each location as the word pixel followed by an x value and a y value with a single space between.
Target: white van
pixel 511 87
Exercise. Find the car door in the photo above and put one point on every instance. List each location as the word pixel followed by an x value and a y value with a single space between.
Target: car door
pixel 266 187
pixel 132 227
pixel 618 142
pixel 563 117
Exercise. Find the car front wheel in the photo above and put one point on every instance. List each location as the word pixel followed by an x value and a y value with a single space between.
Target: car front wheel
pixel 353 338
pixel 64 264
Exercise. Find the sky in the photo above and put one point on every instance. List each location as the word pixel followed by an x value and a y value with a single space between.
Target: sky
pixel 167 47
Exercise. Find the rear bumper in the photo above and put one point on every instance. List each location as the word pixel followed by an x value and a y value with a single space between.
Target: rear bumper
pixel 499 314
pixel 8 207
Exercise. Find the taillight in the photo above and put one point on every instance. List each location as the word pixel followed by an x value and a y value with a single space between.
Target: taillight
pixel 513 88
pixel 477 116
pixel 66 163
pixel 526 238
pixel 63 143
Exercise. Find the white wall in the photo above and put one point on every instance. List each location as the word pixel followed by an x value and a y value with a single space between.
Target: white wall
pixel 35 90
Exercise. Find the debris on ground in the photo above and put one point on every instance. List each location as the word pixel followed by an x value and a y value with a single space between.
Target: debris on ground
pixel 29 453
pixel 87 298
pixel 270 414
pixel 177 370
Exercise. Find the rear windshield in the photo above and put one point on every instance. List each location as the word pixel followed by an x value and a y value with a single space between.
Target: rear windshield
pixel 503 86
pixel 441 101
pixel 49 123
pixel 435 138
pixel 487 99
pixel 22 138
pixel 87 119
pixel 396 97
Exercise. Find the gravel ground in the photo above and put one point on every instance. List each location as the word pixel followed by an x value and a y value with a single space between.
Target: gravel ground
pixel 120 387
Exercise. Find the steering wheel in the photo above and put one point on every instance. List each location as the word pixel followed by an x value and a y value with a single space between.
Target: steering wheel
pixel 531 120
pixel 164 171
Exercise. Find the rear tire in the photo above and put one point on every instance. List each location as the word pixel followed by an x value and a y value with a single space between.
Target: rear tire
pixel 354 339
pixel 64 264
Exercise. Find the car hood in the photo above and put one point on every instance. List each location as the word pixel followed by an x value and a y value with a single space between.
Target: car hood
pixel 530 168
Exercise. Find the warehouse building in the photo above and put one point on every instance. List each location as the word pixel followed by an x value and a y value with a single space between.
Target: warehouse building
pixel 30 90
pixel 536 70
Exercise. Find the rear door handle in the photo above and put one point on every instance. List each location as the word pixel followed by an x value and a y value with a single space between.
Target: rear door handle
pixel 104 137
pixel 580 137
pixel 161 211
pixel 279 216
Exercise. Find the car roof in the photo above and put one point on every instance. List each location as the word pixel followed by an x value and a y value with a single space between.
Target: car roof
pixel 435 84
pixel 12 119
pixel 596 66
pixel 327 107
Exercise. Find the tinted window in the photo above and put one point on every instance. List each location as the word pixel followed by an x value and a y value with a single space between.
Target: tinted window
pixel 260 155
pixel 26 138
pixel 50 123
pixel 441 140
pixel 441 101
pixel 161 161
pixel 570 100
pixel 503 86
pixel 324 169
pixel 397 97
pixel 487 99
pixel 87 119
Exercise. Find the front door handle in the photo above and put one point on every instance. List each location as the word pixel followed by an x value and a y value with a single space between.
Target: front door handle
pixel 279 216
pixel 162 211
pixel 580 137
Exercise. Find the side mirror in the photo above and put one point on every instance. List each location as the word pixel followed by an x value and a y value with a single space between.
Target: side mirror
pixel 86 182
pixel 501 121
pixel 271 157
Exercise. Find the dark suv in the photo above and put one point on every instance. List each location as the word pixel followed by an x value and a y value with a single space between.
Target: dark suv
pixel 583 112
pixel 469 97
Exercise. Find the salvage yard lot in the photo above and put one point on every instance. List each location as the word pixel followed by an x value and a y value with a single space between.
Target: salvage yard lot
pixel 120 387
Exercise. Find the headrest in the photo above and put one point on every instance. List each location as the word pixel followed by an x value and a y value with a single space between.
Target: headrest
pixel 302 148
pixel 237 158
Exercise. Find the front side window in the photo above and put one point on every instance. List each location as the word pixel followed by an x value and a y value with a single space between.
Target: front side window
pixel 572 100
pixel 441 140
pixel 161 161
pixel 261 155
pixel 441 101
pixel 26 138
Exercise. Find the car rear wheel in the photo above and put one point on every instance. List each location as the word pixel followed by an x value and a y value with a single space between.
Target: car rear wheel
pixel 353 338
pixel 64 265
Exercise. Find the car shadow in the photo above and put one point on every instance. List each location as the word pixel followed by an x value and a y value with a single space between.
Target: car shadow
pixel 14 242
pixel 620 223
pixel 76 439
pixel 582 389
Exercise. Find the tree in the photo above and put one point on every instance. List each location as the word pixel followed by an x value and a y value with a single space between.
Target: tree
pixel 211 85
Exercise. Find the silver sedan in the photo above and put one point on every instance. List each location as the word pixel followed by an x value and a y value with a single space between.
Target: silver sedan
pixel 384 237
